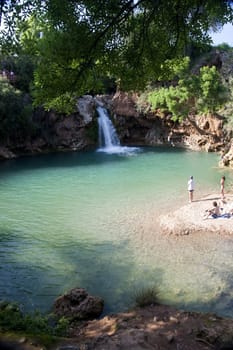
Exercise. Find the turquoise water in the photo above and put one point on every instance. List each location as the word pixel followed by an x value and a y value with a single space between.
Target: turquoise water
pixel 89 220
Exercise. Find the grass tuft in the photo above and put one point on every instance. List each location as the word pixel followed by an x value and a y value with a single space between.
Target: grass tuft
pixel 146 297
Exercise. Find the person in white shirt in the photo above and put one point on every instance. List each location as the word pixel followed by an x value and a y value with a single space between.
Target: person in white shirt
pixel 190 188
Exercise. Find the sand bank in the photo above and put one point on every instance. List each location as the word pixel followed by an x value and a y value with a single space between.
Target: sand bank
pixel 190 218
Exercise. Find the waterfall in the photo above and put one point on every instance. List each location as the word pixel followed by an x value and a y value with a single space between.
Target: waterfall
pixel 107 133
pixel 109 141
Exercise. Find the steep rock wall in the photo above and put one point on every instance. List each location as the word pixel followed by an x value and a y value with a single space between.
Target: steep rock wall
pixel 195 132
pixel 80 130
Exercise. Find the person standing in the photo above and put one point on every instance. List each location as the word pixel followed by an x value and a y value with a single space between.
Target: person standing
pixel 222 187
pixel 190 188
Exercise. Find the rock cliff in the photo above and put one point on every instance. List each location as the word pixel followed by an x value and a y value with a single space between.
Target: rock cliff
pixel 79 130
pixel 57 132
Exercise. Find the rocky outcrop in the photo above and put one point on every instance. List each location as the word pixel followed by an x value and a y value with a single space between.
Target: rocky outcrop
pixel 78 304
pixel 80 130
pixel 155 327
pixel 213 58
pixel 86 108
pixel 59 132
pixel 124 104
pixel 53 131
pixel 203 132
pixel 227 158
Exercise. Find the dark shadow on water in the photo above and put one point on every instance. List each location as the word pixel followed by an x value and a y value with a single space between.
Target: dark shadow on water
pixel 75 159
pixel 89 265
pixel 221 304
pixel 214 297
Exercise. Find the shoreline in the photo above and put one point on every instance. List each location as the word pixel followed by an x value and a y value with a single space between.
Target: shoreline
pixel 160 327
pixel 189 219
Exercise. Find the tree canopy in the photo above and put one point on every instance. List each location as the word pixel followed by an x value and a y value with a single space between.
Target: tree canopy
pixel 78 44
pixel 192 93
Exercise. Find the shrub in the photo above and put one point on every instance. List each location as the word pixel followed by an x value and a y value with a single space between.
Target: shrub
pixel 15 114
pixel 203 93
pixel 146 297
pixel 12 319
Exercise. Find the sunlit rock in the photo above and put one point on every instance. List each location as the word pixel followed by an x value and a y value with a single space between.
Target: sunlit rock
pixel 86 108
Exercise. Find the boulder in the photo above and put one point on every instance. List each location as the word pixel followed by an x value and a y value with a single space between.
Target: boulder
pixel 78 304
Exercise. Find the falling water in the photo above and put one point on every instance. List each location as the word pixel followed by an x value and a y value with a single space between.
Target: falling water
pixel 109 141
pixel 107 133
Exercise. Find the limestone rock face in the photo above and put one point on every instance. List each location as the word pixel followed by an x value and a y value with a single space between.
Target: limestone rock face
pixel 78 304
pixel 123 104
pixel 62 132
pixel 212 124
pixel 68 132
pixel 134 126
pixel 86 108
pixel 204 132
pixel 227 159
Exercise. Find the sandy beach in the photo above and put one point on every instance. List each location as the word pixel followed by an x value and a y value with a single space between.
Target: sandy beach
pixel 190 217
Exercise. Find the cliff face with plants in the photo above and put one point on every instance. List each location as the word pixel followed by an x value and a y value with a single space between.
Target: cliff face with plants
pixel 44 61
pixel 78 131
pixel 137 121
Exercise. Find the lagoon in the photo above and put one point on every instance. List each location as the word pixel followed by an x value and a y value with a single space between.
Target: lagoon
pixel 89 219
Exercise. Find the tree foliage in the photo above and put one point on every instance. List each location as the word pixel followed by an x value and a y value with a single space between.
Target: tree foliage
pixel 213 94
pixel 15 114
pixel 197 93
pixel 85 41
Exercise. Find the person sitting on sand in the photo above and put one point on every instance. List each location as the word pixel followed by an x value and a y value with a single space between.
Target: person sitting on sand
pixel 213 212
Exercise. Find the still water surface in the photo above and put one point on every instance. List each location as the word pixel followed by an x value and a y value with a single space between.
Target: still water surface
pixel 89 219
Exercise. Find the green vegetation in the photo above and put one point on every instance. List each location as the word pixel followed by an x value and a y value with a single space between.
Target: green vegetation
pixel 146 297
pixel 76 46
pixel 212 94
pixel 194 93
pixel 12 319
pixel 60 50
pixel 15 114
pixel 224 47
